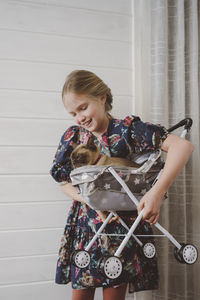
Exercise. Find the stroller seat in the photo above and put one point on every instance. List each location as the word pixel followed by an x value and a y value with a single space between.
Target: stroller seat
pixel 101 191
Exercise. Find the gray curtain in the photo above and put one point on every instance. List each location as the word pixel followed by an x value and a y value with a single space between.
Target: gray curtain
pixel 166 66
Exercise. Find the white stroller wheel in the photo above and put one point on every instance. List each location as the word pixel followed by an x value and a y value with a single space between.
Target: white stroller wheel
pixel 149 250
pixel 189 254
pixel 81 258
pixel 112 267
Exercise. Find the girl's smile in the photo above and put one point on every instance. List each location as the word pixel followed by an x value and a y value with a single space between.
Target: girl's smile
pixel 87 111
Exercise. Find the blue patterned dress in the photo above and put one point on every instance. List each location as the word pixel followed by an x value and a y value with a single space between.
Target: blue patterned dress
pixel 123 138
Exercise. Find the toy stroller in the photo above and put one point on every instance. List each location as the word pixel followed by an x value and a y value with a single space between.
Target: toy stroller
pixel 118 189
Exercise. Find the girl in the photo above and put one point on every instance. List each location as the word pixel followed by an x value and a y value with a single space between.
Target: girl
pixel 88 99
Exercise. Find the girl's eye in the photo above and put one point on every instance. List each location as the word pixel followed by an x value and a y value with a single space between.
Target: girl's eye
pixel 83 107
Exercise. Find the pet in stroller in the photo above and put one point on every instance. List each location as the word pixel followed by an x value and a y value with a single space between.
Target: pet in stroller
pixel 115 189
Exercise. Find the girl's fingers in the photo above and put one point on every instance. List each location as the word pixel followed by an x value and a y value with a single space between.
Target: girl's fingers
pixel 156 219
pixel 153 219
pixel 140 207
pixel 102 215
pixel 147 215
pixel 113 219
pixel 150 220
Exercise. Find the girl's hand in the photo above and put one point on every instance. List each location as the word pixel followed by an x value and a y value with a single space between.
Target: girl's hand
pixel 151 203
pixel 103 215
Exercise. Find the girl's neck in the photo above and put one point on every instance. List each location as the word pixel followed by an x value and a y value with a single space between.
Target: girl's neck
pixel 104 127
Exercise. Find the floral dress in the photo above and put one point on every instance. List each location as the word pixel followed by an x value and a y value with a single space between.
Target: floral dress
pixel 123 138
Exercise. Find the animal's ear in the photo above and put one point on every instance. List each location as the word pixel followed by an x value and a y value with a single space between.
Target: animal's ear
pixel 72 155
pixel 91 145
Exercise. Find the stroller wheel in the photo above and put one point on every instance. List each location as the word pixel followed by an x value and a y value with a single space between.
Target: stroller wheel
pixel 178 256
pixel 110 267
pixel 188 254
pixel 80 258
pixel 149 250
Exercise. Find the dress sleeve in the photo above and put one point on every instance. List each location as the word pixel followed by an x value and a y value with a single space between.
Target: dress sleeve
pixel 145 136
pixel 62 164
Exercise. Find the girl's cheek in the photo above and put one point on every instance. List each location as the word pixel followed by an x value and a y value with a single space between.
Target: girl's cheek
pixel 76 120
pixel 88 112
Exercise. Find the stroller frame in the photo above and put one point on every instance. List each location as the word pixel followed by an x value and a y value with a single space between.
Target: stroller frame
pixel 111 266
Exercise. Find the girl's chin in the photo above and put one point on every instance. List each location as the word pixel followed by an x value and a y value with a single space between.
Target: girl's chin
pixel 90 126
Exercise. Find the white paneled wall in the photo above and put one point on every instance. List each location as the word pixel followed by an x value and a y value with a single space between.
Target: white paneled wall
pixel 41 42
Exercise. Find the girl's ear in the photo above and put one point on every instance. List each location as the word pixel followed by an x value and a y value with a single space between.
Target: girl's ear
pixel 103 98
pixel 91 145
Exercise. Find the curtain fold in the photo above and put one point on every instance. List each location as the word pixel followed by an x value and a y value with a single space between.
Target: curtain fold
pixel 167 65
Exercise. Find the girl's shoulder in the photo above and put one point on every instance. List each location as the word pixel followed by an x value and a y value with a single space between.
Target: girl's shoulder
pixel 70 132
pixel 126 122
pixel 76 133
pixel 134 122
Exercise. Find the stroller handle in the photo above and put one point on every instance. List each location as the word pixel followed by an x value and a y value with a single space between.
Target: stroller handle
pixel 187 123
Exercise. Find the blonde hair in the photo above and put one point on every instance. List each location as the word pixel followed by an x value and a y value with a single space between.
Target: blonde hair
pixel 88 83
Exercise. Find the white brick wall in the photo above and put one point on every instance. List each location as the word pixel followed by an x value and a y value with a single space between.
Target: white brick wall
pixel 41 42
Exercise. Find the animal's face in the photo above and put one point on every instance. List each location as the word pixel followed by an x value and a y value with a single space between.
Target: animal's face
pixel 85 154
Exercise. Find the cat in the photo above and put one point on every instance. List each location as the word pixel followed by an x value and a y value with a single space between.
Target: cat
pixel 89 154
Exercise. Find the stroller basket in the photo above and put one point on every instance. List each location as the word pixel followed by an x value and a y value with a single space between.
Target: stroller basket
pixel 101 191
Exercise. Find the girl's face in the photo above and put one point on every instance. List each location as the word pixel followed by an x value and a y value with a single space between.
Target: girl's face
pixel 87 111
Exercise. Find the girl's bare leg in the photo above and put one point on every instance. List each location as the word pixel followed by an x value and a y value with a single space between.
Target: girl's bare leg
pixel 85 294
pixel 118 293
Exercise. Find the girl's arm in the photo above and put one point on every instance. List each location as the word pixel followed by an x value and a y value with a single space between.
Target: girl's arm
pixel 71 191
pixel 178 152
